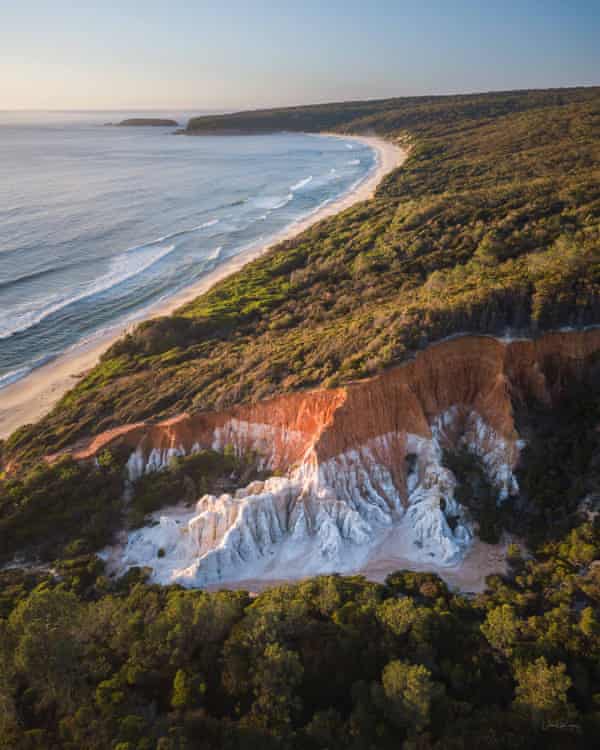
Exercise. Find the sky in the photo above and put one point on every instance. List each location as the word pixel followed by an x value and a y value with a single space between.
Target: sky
pixel 191 54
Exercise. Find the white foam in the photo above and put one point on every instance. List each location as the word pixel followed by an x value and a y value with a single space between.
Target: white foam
pixel 172 235
pixel 273 203
pixel 121 268
pixel 301 184
pixel 13 376
pixel 215 253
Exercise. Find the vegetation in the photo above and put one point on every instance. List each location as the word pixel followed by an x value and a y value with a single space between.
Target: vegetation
pixel 329 663
pixel 560 464
pixel 186 479
pixel 492 223
pixel 559 467
pixel 74 508
pixel 476 493
pixel 64 509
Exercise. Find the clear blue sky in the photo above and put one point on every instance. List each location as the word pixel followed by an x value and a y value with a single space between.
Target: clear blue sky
pixel 198 55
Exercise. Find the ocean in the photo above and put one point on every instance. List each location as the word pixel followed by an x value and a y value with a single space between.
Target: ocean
pixel 99 224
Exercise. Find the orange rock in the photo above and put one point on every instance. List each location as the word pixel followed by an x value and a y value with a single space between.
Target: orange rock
pixel 479 373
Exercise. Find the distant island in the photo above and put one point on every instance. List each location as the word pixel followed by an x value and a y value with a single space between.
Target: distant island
pixel 145 122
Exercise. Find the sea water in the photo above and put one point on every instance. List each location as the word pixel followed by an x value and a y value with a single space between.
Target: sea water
pixel 98 224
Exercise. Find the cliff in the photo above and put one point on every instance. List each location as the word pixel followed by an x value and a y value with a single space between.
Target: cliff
pixel 353 462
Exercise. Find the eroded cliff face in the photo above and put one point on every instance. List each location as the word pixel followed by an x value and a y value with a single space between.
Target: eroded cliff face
pixel 351 462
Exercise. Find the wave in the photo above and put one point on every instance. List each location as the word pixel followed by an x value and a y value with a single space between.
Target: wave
pixel 14 375
pixel 120 270
pixel 353 162
pixel 215 253
pixel 21 372
pixel 179 233
pixel 350 146
pixel 289 197
pixel 272 204
pixel 301 184
pixel 34 275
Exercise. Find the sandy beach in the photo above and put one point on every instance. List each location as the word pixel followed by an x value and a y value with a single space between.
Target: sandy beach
pixel 31 398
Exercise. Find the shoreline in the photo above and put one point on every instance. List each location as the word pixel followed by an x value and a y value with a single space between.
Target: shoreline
pixel 31 398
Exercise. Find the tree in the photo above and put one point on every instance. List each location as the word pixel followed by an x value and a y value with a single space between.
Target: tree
pixel 398 615
pixel 542 689
pixel 501 628
pixel 182 690
pixel 277 676
pixel 588 623
pixel 8 712
pixel 490 249
pixel 409 692
pixel 326 728
pixel 47 650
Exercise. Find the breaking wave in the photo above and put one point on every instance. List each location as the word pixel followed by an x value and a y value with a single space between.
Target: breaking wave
pixel 131 263
pixel 272 204
pixel 180 233
pixel 14 375
pixel 215 253
pixel 301 184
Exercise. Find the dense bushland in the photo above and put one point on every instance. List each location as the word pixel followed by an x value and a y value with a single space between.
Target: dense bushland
pixel 73 508
pixel 329 663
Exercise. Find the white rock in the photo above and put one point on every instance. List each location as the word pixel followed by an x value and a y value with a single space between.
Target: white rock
pixel 321 518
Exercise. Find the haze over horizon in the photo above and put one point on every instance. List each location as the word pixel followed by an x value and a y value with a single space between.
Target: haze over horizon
pixel 237 57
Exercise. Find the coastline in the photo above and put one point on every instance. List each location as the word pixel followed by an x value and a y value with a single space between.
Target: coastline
pixel 34 396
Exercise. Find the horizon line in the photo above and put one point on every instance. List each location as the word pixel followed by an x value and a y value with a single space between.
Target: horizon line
pixel 250 107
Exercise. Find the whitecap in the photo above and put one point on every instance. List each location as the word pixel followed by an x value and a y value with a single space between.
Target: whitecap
pixel 215 253
pixel 273 203
pixel 353 162
pixel 13 376
pixel 301 184
pixel 179 233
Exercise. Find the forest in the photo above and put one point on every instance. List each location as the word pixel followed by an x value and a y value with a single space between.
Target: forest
pixel 331 662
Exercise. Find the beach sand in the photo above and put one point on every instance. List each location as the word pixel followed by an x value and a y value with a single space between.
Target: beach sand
pixel 29 399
